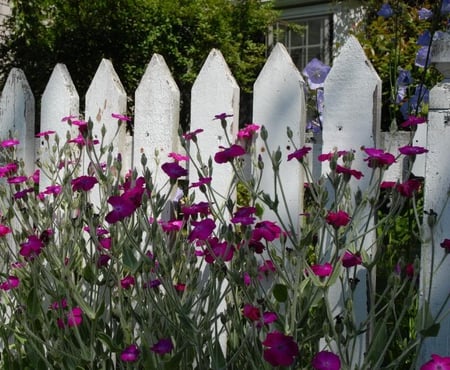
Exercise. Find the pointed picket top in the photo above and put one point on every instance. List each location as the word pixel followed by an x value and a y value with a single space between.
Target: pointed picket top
pixel 104 97
pixel 156 120
pixel 215 91
pixel 435 262
pixel 17 116
pixel 352 105
pixel 60 99
pixel 279 103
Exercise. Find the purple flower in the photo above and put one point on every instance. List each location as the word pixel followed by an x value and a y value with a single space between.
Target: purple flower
pixel 422 58
pixel 424 14
pixel 32 247
pixel 222 116
pixel 350 259
pixel 267 230
pixel 163 346
pixel 281 350
pixel 16 179
pixel 408 188
pixel 102 260
pixel 345 170
pixel 299 153
pixel 386 11
pixel 174 170
pixel 437 363
pixel 424 38
pixel 316 73
pixel 378 158
pixel 202 229
pixel 413 121
pixel 192 135
pixel 244 216
pixel 217 249
pixel 130 353
pixel 412 150
pixel 201 181
pixel 84 183
pixel 127 282
pixel 195 209
pixel 323 270
pixel 11 283
pixel 228 154
pixel 326 360
pixel 122 208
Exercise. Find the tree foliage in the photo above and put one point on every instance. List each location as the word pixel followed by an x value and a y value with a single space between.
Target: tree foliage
pixel 79 33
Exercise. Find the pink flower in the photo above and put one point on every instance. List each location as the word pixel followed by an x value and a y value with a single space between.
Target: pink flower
pixel 16 179
pixel 180 287
pixel 323 270
pixel 437 363
pixel 337 219
pixel 74 318
pixel 35 176
pixel 248 131
pixel 59 304
pixel 174 170
pixel 105 242
pixel 84 183
pixel 192 135
pixel 32 247
pixel 413 121
pixel 201 181
pixel 329 156
pixel 408 188
pixel 4 230
pixel 8 169
pixel 228 154
pixel 127 282
pixel 446 244
pixel 201 208
pixel 378 158
pixel 178 157
pixel 9 143
pixel 222 116
pixel 299 153
pixel 351 259
pixel 269 317
pixel 122 208
pixel 267 230
pixel 345 170
pixel 163 346
pixel 266 268
pixel 130 353
pixel 412 150
pixel 11 283
pixel 120 117
pixel 21 194
pixel 217 249
pixel 281 350
pixel 68 118
pixel 247 279
pixel 173 225
pixel 251 312
pixel 326 360
pixel 202 229
pixel 244 216
pixel 53 189
pixel 45 133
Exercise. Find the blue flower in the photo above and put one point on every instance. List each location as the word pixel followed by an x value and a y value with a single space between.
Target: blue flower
pixel 404 77
pixel 424 39
pixel 421 57
pixel 425 14
pixel 386 11
pixel 316 73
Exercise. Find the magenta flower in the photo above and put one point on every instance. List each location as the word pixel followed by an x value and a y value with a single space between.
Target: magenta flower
pixel 52 190
pixel 299 153
pixel 323 270
pixel 35 176
pixel 11 283
pixel 412 150
pixel 202 229
pixel 222 116
pixel 378 158
pixel 174 170
pixel 248 131
pixel 266 268
pixel 4 230
pixel 251 312
pixel 413 121
pixel 201 181
pixel 32 247
pixel 82 142
pixel 127 282
pixel 163 346
pixel 45 133
pixel 173 225
pixel 345 170
pixel 329 156
pixel 217 249
pixel 8 169
pixel 16 179
pixel 130 353
pixel 228 154
pixel 244 216
pixel 105 242
pixel 246 279
pixel 326 360
pixel 192 135
pixel 201 208
pixel 446 245
pixel 281 350
pixel 22 193
pixel 83 183
pixel 267 230
pixel 74 318
pixel 408 188
pixel 120 117
pixel 337 219
pixel 9 143
pixel 102 260
pixel 437 363
pixel 269 317
pixel 58 304
pixel 178 157
pixel 387 184
pixel 122 208
pixel 350 259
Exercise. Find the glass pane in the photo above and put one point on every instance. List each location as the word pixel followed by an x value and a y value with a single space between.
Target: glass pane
pixel 315 28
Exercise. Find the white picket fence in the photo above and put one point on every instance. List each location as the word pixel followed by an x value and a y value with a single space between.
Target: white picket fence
pixel 351 120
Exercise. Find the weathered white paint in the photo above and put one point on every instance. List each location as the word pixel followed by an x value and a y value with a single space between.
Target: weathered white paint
pixel 279 103
pixel 105 96
pixel 390 142
pixel 60 99
pixel 157 111
pixel 215 91
pixel 434 261
pixel 17 116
